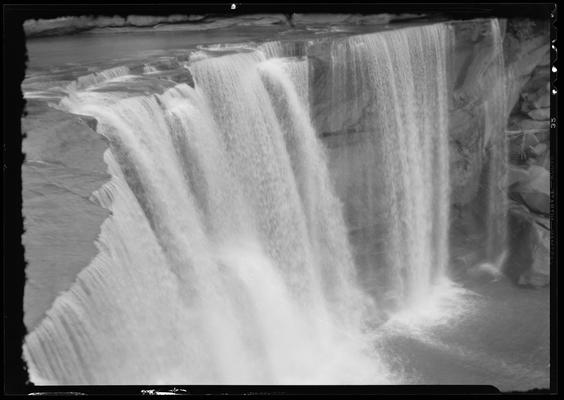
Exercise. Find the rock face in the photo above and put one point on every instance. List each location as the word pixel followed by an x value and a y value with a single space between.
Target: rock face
pixel 526 59
pixel 534 189
pixel 63 167
pixel 529 248
pixel 529 157
pixel 474 83
pixel 482 75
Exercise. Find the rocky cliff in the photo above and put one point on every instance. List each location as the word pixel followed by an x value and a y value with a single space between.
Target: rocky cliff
pixel 488 63
pixel 526 56
pixel 474 85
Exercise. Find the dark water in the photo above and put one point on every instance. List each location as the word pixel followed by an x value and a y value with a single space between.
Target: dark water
pixel 504 343
pixel 94 48
pixel 484 332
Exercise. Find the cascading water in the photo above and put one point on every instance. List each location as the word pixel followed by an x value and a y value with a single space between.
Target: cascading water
pixel 98 77
pixel 149 69
pixel 496 115
pixel 390 88
pixel 226 258
pixel 242 272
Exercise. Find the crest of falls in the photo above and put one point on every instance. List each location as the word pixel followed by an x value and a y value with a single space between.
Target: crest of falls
pixel 226 259
pixel 97 78
pixel 149 69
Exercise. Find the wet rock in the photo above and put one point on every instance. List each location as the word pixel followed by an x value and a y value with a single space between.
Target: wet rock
pixel 181 75
pixel 540 272
pixel 526 144
pixel 536 97
pixel 91 122
pixel 538 202
pixel 528 263
pixel 535 190
pixel 473 77
pixel 531 124
pixel 63 167
pixel 543 100
pixel 523 57
pixel 516 175
pixel 539 150
pixel 536 92
pixel 541 114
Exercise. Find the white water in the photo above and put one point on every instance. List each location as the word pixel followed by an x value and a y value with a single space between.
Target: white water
pixel 226 258
pixel 496 115
pixel 97 78
pixel 242 271
pixel 149 69
pixel 393 85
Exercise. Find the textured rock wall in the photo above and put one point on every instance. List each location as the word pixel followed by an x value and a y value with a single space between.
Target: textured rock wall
pixel 473 86
pixel 63 166
pixel 527 72
pixel 474 80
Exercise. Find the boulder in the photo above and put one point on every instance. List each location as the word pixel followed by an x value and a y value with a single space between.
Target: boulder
pixel 528 262
pixel 539 273
pixel 536 96
pixel 543 99
pixel 520 146
pixel 534 190
pixel 538 202
pixel 531 124
pixel 521 66
pixel 517 175
pixel 541 114
pixel 539 150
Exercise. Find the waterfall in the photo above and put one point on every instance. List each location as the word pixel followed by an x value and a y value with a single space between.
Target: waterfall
pixel 389 90
pixel 496 114
pixel 225 259
pixel 98 77
pixel 149 69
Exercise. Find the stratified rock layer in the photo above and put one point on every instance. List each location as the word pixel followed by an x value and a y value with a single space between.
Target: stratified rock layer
pixel 63 167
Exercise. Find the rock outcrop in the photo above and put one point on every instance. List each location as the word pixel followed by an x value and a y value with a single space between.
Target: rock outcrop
pixel 63 167
pixel 474 86
pixel 529 248
pixel 489 65
pixel 529 185
pixel 475 81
